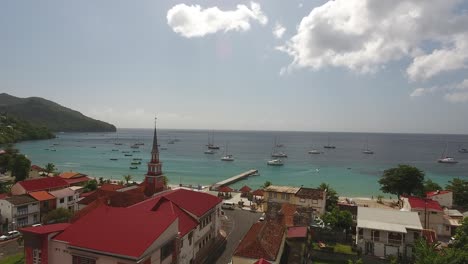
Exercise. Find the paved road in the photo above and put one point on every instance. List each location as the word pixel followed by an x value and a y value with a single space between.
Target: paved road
pixel 9 247
pixel 237 224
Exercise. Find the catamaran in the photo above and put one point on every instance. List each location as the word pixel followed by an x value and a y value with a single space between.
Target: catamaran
pixel 445 158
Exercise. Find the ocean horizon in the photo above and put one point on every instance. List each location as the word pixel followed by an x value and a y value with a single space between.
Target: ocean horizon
pixel 346 168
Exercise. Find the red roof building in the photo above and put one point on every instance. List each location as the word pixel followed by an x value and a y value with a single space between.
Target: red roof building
pixel 431 214
pixel 41 184
pixel 421 203
pixel 263 240
pixel 258 192
pixel 245 189
pixel 262 261
pixel 445 198
pixel 225 189
pixel 36 241
pixel 176 224
pixel 297 232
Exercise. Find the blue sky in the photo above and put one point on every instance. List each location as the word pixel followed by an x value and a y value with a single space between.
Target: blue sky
pixel 345 65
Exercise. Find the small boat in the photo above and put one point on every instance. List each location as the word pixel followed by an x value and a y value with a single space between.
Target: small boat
pixel 125 151
pixel 93 147
pixel 209 151
pixel 275 153
pixel 275 162
pixel 171 141
pixel 163 148
pixel 53 150
pixel 115 150
pixel 133 167
pixel 314 151
pixel 136 158
pixel 134 146
pixel 366 148
pixel 462 150
pixel 211 144
pixel 118 144
pixel 227 158
pixel 46 149
pixel 136 163
pixel 328 146
pixel 114 159
pixel 445 158
pixel 128 155
pixel 135 151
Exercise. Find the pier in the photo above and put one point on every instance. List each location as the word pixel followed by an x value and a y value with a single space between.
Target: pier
pixel 233 179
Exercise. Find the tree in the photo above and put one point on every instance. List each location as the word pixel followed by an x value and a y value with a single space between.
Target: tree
pixel 50 168
pixel 332 196
pixel 428 186
pixel 101 180
pixel 461 236
pixel 59 215
pixel 338 219
pixel 404 179
pixel 127 178
pixel 20 167
pixel 266 184
pixel 459 187
pixel 165 180
pixel 90 186
pixel 426 253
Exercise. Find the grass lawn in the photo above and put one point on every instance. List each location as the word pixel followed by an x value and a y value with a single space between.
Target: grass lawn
pixel 337 248
pixel 15 259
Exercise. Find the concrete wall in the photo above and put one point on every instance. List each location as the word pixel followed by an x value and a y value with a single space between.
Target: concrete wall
pixel 445 199
pixel 318 205
pixel 6 209
pixel 17 189
pixel 434 221
pixel 383 247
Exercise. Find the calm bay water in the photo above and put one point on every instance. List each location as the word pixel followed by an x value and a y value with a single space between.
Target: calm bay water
pixel 345 168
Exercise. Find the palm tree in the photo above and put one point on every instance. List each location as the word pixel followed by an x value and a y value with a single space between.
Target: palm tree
pixel 127 178
pixel 50 168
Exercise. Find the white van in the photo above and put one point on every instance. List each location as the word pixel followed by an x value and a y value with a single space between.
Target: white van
pixel 228 205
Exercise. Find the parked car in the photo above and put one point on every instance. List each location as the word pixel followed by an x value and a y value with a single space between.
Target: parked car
pixel 228 205
pixel 10 235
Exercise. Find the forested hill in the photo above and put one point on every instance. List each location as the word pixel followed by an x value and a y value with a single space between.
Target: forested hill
pixel 13 130
pixel 41 112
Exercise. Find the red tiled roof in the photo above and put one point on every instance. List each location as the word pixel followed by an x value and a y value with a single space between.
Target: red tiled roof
pixel 186 222
pixel 43 184
pixel 45 229
pixel 107 229
pixel 430 194
pixel 86 194
pixel 197 203
pixel 111 187
pixel 41 195
pixel 245 189
pixel 419 203
pixel 225 189
pixel 297 232
pixel 262 261
pixel 258 192
pixel 263 240
pixel 69 174
pixel 3 195
pixel 114 198
pixel 77 180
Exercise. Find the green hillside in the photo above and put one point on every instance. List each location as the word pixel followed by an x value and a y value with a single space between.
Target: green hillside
pixel 13 130
pixel 45 113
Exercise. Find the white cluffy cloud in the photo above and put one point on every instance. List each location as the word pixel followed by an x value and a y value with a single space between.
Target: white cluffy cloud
pixel 455 93
pixel 194 21
pixel 278 30
pixel 364 35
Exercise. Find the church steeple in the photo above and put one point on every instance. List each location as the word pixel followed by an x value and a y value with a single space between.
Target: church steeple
pixel 154 180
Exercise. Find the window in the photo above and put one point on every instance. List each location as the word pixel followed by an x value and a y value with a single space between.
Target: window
pixel 275 195
pixel 35 218
pixel 315 201
pixel 46 204
pixel 302 200
pixel 433 213
pixel 190 237
pixel 416 235
pixel 22 210
pixel 22 221
pixel 62 200
pixel 447 228
pixel 37 256
pixel 283 196
pixel 83 260
pixel 167 250
pixel 70 198
pixel 375 235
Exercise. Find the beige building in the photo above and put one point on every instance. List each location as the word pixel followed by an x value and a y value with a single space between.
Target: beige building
pixel 444 198
pixel 385 232
pixel 300 196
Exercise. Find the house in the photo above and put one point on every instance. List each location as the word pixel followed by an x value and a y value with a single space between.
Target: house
pixel 47 202
pixel 431 214
pixel 42 184
pixel 36 171
pixel 74 178
pixel 453 219
pixel 263 240
pixel 385 232
pixel 444 198
pixel 66 198
pixel 18 211
pixel 176 226
pixel 301 196
pixel 112 198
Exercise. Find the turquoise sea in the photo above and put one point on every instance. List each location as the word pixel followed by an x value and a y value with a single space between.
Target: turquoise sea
pixel 345 168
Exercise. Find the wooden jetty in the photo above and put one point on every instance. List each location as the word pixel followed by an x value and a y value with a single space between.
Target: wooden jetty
pixel 233 179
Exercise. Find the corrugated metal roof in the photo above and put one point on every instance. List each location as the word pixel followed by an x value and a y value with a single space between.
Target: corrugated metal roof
pixel 63 192
pixel 387 219
pixel 282 189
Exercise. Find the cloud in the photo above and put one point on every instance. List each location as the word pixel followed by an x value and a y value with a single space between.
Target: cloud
pixel 193 21
pixel 363 36
pixel 455 93
pixel 278 30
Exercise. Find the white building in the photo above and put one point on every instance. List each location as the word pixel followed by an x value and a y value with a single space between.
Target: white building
pixel 67 198
pixel 18 211
pixel 385 232
pixel 300 196
pixel 444 198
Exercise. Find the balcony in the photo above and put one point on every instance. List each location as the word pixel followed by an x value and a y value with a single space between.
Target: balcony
pixel 396 242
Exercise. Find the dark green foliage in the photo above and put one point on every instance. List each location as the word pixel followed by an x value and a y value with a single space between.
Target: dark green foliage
pixel 90 186
pixel 59 215
pixel 50 168
pixel 19 167
pixel 45 113
pixel 332 196
pixel 461 237
pixel 459 187
pixel 425 253
pixel 337 219
pixel 266 184
pixel 404 179
pixel 13 130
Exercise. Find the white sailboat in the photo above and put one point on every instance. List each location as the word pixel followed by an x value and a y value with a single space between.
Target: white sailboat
pixel 211 144
pixel 314 151
pixel 227 156
pixel 275 162
pixel 328 146
pixel 445 158
pixel 276 153
pixel 366 149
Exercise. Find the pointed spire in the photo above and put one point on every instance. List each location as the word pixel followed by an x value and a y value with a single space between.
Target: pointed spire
pixel 155 138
